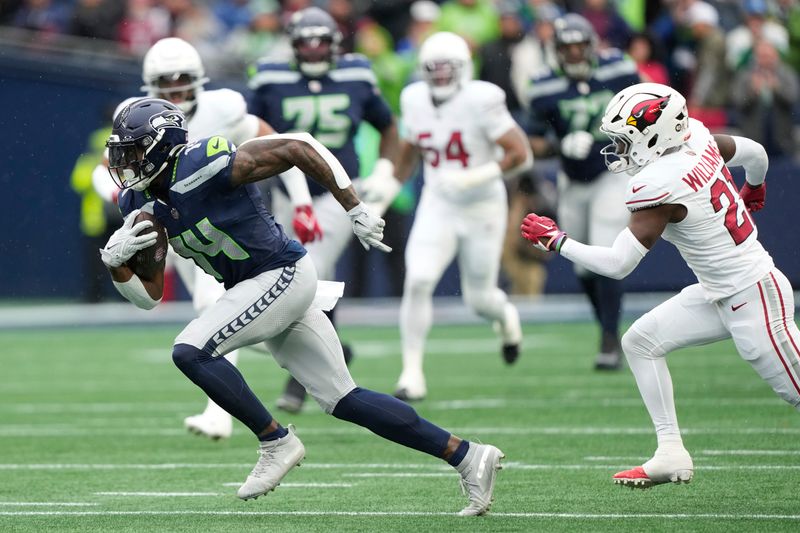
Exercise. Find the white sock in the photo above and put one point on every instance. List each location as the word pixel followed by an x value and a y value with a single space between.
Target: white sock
pixel 655 386
pixel 416 316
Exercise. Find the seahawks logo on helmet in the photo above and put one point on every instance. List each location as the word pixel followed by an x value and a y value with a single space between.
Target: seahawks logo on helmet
pixel 172 119
pixel 646 113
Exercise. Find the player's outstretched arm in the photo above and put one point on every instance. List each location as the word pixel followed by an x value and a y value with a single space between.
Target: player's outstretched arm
pixel 616 261
pixel 750 155
pixel 263 157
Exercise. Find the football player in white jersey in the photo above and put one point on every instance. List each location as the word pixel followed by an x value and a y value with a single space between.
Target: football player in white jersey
pixel 458 126
pixel 173 70
pixel 680 189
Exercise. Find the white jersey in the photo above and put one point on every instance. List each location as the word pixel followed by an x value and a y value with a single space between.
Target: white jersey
pixel 718 238
pixel 460 133
pixel 220 112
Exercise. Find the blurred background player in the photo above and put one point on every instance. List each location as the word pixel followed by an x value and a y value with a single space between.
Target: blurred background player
pixel 173 70
pixel 680 189
pixel 566 105
pixel 328 96
pixel 207 190
pixel 457 125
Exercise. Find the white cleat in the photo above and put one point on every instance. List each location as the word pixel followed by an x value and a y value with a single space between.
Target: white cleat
pixel 276 458
pixel 214 426
pixel 510 332
pixel 670 464
pixel 411 389
pixel 478 473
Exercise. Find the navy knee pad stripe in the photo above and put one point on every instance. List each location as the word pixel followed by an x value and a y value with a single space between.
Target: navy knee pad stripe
pixel 252 312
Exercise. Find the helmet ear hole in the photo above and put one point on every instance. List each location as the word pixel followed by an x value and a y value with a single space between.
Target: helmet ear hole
pixel 653 141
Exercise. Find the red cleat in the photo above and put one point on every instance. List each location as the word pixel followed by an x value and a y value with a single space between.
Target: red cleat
pixel 635 478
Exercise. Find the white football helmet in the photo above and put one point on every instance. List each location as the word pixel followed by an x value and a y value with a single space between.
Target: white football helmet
pixel 445 63
pixel 643 121
pixel 173 70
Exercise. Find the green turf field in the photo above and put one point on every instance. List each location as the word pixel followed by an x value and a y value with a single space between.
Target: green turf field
pixel 91 439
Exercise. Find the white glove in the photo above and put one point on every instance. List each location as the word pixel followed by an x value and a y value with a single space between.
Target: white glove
pixel 577 145
pixel 368 227
pixel 125 242
pixel 380 188
pixel 462 180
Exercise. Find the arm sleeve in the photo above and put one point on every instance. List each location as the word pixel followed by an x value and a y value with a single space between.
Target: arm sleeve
pixel 615 262
pixel 133 290
pixel 752 157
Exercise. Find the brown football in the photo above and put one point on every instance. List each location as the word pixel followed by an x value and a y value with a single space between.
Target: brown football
pixel 150 261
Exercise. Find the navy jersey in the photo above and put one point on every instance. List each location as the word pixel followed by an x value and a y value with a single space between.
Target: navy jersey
pixel 330 108
pixel 561 105
pixel 225 230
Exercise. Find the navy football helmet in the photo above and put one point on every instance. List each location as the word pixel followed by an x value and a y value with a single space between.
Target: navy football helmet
pixel 315 41
pixel 576 46
pixel 145 135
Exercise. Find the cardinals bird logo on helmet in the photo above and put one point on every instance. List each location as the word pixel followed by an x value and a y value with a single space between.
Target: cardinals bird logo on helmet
pixel 646 113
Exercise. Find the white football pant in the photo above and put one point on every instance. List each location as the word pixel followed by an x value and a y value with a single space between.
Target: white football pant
pixel 275 308
pixel 760 319
pixel 443 230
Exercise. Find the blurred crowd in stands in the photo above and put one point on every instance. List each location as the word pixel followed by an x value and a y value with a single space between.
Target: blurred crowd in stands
pixel 736 60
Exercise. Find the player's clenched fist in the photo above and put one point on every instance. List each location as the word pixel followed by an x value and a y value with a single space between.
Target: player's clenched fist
pixel 543 232
pixel 754 196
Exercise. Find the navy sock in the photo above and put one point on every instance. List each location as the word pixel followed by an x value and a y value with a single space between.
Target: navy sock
pixel 589 284
pixel 274 435
pixel 224 384
pixel 459 454
pixel 609 296
pixel 392 419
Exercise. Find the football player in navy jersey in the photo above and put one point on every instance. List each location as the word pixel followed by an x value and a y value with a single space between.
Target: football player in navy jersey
pixel 204 194
pixel 566 106
pixel 328 96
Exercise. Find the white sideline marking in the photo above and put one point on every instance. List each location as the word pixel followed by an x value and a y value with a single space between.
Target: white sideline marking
pixel 580 516
pixel 302 485
pixel 462 346
pixel 159 494
pixel 47 504
pixel 63 431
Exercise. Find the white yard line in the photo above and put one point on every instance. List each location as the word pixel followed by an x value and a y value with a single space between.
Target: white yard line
pixel 467 431
pixel 301 485
pixel 578 516
pixel 47 504
pixel 160 494
pixel 362 466
pixel 401 474
pixel 455 404
pixel 751 452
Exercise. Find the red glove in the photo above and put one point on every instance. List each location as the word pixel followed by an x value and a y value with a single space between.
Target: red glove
pixel 305 224
pixel 542 232
pixel 754 197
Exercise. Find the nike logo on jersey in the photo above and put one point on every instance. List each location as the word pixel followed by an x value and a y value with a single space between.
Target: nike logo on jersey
pixel 735 308
pixel 639 188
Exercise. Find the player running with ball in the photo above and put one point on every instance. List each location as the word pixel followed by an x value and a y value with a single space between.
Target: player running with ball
pixel 680 189
pixel 204 194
